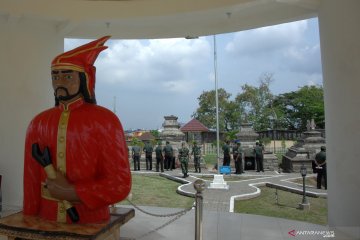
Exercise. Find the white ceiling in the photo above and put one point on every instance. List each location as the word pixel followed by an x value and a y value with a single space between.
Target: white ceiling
pixel 133 19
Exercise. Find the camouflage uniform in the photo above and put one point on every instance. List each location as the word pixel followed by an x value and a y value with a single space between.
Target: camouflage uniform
pixel 184 159
pixel 196 152
pixel 148 149
pixel 136 153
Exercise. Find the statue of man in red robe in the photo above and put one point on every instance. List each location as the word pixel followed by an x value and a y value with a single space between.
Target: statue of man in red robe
pixel 85 142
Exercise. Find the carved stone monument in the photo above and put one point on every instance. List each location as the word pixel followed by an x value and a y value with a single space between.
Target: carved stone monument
pixel 304 151
pixel 172 133
pixel 248 137
pixel 171 130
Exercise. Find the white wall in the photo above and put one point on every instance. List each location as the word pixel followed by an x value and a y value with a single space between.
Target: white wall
pixel 26 50
pixel 340 47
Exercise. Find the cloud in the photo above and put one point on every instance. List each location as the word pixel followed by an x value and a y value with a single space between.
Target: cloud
pixel 267 40
pixel 283 50
pixel 155 78
pixel 305 59
pixel 143 64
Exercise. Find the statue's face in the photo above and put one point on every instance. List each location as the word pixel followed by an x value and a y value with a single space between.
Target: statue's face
pixel 66 84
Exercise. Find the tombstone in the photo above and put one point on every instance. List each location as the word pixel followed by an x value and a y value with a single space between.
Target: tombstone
pixel 248 137
pixel 171 130
pixel 304 151
pixel 172 133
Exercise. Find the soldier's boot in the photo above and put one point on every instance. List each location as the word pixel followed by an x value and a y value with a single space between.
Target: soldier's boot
pixel 199 170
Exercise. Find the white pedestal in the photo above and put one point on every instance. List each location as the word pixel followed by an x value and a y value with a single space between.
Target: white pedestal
pixel 218 183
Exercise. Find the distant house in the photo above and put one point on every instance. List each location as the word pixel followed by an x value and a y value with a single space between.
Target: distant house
pixel 146 136
pixel 195 131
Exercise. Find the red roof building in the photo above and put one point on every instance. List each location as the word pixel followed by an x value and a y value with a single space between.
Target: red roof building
pixel 146 136
pixel 194 126
pixel 194 131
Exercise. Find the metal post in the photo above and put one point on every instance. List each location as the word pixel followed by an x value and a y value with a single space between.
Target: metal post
pixel 304 200
pixel 199 186
pixel 217 108
pixel 304 205
pixel 273 133
pixel 114 110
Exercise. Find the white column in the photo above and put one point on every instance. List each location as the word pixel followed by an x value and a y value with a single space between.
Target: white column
pixel 26 50
pixel 340 49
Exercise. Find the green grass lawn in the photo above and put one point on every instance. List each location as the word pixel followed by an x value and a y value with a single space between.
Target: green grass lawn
pixel 210 160
pixel 153 190
pixel 266 205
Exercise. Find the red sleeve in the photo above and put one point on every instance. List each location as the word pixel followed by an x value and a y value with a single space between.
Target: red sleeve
pixel 32 177
pixel 114 177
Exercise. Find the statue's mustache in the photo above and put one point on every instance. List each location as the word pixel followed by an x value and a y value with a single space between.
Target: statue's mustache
pixel 67 94
pixel 61 88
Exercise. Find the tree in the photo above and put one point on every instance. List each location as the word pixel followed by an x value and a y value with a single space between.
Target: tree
pixel 255 103
pixel 228 113
pixel 155 133
pixel 302 105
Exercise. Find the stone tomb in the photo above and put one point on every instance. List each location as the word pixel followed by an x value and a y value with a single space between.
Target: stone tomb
pixel 303 152
pixel 248 137
pixel 171 130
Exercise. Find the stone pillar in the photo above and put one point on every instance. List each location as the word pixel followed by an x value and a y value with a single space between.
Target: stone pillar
pixel 340 52
pixel 171 130
pixel 27 48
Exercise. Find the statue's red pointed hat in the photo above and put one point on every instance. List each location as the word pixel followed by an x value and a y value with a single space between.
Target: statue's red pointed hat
pixel 82 59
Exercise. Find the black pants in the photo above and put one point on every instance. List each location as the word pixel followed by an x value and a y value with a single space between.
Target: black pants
pixel 136 163
pixel 173 163
pixel 148 162
pixel 168 162
pixel 259 164
pixel 160 161
pixel 238 164
pixel 321 173
pixel 226 161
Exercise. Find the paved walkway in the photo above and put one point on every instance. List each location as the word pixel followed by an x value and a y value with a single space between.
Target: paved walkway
pixel 222 200
pixel 224 226
pixel 219 222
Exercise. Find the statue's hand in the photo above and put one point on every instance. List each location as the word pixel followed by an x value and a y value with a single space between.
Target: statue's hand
pixel 60 188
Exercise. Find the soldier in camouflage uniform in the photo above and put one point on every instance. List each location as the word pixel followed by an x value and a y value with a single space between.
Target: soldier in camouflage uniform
pixel 159 157
pixel 136 153
pixel 184 159
pixel 196 152
pixel 148 149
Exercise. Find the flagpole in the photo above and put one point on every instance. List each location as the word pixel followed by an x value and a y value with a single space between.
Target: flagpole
pixel 217 108
pixel 114 105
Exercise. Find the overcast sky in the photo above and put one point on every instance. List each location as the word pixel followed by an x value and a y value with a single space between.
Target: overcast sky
pixel 154 78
